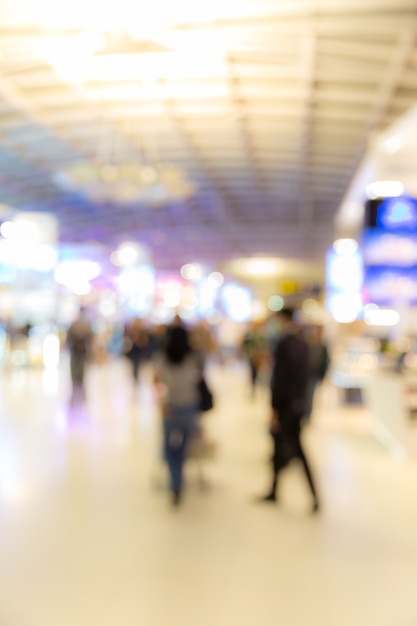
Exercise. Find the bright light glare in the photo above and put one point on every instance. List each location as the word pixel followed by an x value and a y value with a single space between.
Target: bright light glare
pixel 20 230
pixel 19 254
pixel 381 317
pixel 44 258
pixel 216 279
pixel 107 307
pixel 69 272
pixel 345 247
pixel 187 314
pixel 127 254
pixel 393 144
pixel 238 303
pixel 7 229
pixel 207 296
pixel 370 307
pixel 275 303
pixel 258 310
pixel 344 273
pixel 261 267
pixel 25 230
pixel 69 54
pixel 80 287
pixel 345 308
pixel 191 271
pixel 75 275
pixel 172 299
pixel 137 287
pixel 201 53
pixel 171 295
pixel 161 314
pixel 14 491
pixel 384 189
pixel 147 65
pixel 368 361
pixel 127 14
pixel 79 46
pixel 189 298
pixel 51 351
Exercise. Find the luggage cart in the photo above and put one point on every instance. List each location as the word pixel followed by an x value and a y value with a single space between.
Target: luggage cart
pixel 200 450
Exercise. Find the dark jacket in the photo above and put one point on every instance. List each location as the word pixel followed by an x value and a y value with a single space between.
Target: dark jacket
pixel 290 375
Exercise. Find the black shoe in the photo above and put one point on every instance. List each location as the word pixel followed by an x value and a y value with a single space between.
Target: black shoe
pixel 270 497
pixel 176 497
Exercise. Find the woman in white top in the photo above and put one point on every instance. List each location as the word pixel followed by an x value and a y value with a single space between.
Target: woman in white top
pixel 179 370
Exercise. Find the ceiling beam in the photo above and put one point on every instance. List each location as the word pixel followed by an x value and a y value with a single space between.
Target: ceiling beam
pixel 247 146
pixel 305 199
pixel 350 15
pixel 18 102
pixel 384 97
pixel 222 201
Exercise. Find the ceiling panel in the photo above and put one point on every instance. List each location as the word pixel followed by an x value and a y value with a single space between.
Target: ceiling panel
pixel 266 106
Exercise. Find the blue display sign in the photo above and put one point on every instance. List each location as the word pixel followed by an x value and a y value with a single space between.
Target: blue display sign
pixel 385 286
pixel 390 252
pixel 397 214
pixel 382 248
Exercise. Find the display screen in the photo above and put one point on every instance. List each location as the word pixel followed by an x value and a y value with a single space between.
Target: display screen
pixel 386 286
pixel 344 273
pixel 389 249
pixel 398 214
pixel 392 214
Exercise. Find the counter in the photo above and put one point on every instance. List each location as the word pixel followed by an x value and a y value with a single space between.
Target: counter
pixel 392 400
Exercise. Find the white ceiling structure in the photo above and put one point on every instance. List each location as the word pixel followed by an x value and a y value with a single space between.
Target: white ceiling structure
pixel 266 106
pixel 391 156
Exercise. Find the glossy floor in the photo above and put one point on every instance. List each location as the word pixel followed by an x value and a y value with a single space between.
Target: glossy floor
pixel 87 537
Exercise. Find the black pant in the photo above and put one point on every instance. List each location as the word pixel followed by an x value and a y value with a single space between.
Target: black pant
pixel 287 446
pixel 254 371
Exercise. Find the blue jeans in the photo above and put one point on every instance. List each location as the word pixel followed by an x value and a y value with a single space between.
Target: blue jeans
pixel 178 429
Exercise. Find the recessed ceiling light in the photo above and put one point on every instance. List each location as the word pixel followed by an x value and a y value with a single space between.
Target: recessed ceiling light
pixel 384 189
pixel 345 247
pixel 261 267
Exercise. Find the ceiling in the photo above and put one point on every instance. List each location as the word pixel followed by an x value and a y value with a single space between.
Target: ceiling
pixel 391 156
pixel 267 106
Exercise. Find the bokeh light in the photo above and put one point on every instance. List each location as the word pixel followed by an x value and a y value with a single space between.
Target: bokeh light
pixel 275 303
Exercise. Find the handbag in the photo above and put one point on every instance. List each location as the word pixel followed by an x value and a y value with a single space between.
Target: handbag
pixel 206 402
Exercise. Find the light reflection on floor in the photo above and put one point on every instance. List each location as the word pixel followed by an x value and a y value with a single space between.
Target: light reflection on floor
pixel 87 535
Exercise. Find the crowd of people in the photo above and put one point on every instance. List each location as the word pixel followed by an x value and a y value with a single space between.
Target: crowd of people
pixel 297 360
pixel 178 356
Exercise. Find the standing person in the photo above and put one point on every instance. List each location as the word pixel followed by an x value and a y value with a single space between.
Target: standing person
pixel 253 347
pixel 79 340
pixel 157 339
pixel 319 362
pixel 137 346
pixel 179 370
pixel 289 382
pixel 201 339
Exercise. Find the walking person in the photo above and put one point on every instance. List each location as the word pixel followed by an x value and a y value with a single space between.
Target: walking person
pixel 290 374
pixel 136 346
pixel 179 371
pixel 79 340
